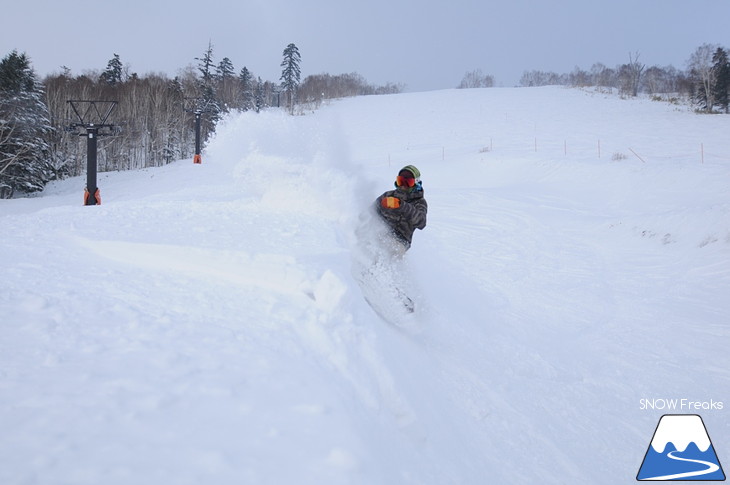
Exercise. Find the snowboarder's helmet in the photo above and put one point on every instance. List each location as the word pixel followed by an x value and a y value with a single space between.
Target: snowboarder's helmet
pixel 416 173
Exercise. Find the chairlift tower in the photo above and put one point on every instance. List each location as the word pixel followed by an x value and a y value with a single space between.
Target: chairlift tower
pixel 197 106
pixel 92 123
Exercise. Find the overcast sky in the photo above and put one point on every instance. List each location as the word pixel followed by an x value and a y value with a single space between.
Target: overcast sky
pixel 420 43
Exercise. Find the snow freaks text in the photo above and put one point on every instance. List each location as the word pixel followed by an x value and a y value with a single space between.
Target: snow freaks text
pixel 682 405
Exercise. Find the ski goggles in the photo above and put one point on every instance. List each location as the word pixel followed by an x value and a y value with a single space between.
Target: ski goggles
pixel 405 181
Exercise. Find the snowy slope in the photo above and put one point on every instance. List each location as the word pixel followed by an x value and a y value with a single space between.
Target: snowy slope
pixel 203 325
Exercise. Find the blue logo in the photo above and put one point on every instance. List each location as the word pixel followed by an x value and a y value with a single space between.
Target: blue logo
pixel 681 450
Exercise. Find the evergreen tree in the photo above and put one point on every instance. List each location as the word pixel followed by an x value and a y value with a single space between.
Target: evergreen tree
pixel 206 65
pixel 227 89
pixel 113 73
pixel 259 102
pixel 207 94
pixel 291 74
pixel 211 109
pixel 24 127
pixel 721 67
pixel 247 93
pixel 16 75
pixel 225 70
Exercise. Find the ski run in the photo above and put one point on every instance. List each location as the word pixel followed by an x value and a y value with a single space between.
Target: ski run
pixel 205 324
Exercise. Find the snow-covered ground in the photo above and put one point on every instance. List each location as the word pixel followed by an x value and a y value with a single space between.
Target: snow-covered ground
pixel 203 324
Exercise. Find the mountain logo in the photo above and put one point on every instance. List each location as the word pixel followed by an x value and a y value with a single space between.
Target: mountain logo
pixel 680 450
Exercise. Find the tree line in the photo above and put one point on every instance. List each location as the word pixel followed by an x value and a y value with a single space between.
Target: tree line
pixel 153 117
pixel 705 82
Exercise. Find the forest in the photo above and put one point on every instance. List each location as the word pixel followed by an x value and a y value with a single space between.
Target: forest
pixel 152 122
pixel 151 118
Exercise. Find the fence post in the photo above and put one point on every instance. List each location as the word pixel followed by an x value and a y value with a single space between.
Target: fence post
pixel 637 155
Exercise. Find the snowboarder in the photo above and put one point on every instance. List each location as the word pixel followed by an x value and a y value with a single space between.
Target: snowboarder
pixel 403 209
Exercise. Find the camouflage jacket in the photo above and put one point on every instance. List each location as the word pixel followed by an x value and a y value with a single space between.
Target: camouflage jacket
pixel 404 220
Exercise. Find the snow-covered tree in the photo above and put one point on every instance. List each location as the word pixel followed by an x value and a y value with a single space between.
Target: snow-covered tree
pixel 207 94
pixel 291 74
pixel 24 127
pixel 208 103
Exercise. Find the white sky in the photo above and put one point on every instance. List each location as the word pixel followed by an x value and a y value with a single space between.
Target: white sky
pixel 423 44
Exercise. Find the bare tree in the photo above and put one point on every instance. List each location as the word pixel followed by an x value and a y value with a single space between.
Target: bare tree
pixel 476 79
pixel 603 76
pixel 541 78
pixel 630 75
pixel 579 78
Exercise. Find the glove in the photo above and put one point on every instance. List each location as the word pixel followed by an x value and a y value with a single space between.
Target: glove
pixel 390 202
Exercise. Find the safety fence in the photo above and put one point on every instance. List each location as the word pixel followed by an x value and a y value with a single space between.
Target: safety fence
pixel 598 150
